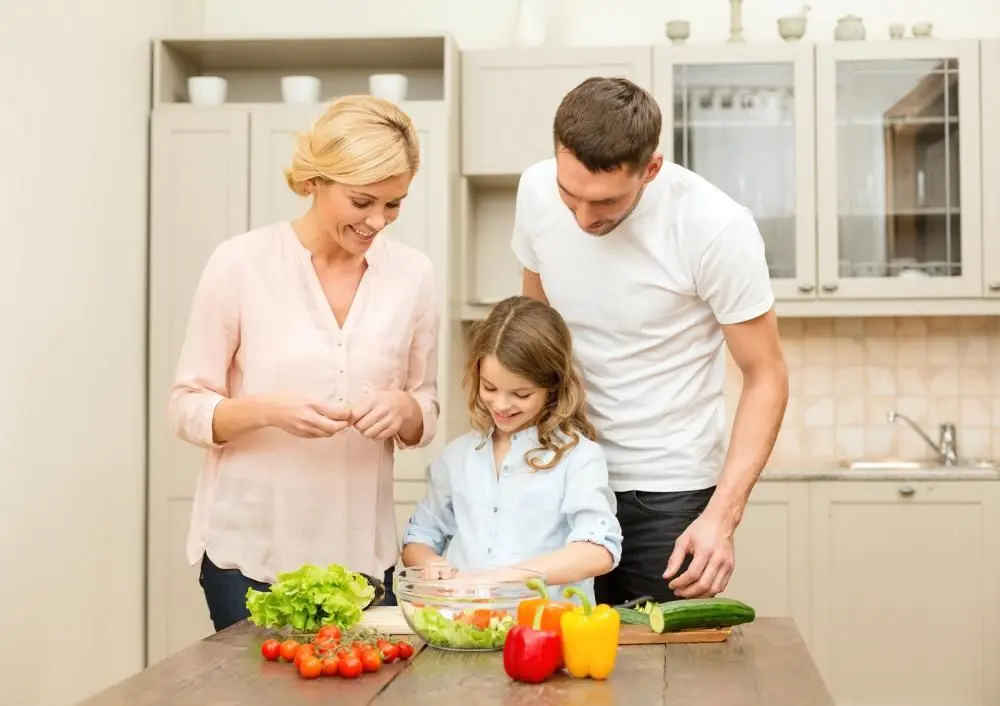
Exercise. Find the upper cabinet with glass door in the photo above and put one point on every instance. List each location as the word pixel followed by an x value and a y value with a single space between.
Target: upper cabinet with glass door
pixel 899 190
pixel 742 116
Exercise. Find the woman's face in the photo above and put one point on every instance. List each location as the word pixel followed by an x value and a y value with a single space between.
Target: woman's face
pixel 354 215
pixel 513 401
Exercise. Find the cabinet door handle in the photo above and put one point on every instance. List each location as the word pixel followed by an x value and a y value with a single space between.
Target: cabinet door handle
pixel 807 287
pixel 907 490
pixel 830 287
pixel 994 286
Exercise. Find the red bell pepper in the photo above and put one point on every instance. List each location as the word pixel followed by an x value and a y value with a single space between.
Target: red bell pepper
pixel 531 654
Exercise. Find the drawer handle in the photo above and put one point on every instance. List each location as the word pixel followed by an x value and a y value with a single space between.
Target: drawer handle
pixel 831 287
pixel 994 286
pixel 805 288
pixel 907 490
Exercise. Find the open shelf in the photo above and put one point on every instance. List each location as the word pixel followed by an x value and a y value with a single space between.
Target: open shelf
pixel 492 272
pixel 253 67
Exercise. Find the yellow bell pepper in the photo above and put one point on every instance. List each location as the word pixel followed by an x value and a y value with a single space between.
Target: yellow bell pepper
pixel 590 637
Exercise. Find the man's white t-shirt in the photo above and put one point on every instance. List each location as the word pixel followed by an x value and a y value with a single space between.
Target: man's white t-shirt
pixel 645 304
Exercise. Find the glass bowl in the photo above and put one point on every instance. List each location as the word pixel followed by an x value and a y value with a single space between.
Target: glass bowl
pixel 467 612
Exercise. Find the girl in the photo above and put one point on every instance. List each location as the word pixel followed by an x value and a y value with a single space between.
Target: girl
pixel 528 487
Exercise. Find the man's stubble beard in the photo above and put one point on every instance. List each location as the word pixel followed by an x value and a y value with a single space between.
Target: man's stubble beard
pixel 606 231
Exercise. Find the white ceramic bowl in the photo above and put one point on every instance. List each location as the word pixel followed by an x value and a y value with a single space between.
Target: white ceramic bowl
pixel 391 87
pixel 300 89
pixel 207 90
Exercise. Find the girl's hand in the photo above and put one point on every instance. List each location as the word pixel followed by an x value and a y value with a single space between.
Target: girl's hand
pixel 438 568
pixel 305 418
pixel 380 415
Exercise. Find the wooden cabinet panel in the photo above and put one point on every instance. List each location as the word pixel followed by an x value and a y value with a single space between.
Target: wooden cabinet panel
pixel 772 553
pixel 198 199
pixel 904 592
pixel 509 99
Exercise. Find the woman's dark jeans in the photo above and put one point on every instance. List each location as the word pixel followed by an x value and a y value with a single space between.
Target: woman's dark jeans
pixel 226 592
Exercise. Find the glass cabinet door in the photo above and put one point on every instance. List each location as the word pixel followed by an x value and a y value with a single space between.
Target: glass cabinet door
pixel 898 169
pixel 742 116
pixel 991 167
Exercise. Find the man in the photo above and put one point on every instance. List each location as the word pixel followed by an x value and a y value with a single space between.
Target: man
pixel 656 271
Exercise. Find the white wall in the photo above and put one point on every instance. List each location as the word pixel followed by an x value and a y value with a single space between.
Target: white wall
pixel 74 96
pixel 485 23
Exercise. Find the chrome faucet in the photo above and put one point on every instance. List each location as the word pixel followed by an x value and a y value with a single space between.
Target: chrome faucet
pixel 947 445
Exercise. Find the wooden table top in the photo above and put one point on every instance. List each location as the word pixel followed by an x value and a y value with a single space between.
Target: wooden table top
pixel 764 663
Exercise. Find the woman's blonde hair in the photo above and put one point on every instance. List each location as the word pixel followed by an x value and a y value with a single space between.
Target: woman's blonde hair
pixel 358 140
pixel 531 340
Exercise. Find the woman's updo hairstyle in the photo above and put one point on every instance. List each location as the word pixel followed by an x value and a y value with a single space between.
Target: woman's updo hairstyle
pixel 358 140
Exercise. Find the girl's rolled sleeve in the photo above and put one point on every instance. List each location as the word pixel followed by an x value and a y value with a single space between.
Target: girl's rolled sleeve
pixel 590 503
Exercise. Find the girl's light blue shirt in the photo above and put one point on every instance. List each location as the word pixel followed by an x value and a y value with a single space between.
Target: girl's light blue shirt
pixel 477 518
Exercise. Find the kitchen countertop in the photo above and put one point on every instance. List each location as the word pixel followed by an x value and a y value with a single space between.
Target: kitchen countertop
pixel 764 663
pixel 829 473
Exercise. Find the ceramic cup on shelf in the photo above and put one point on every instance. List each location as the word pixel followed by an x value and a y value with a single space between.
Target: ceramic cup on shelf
pixel 206 90
pixel 922 30
pixel 391 87
pixel 792 28
pixel 678 30
pixel 897 30
pixel 300 89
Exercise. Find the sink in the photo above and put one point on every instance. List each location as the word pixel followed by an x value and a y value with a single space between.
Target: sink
pixel 898 464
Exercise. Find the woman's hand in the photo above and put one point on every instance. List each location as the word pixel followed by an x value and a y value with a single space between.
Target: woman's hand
pixel 306 418
pixel 381 415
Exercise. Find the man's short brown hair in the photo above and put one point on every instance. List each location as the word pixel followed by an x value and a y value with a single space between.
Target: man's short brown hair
pixel 608 123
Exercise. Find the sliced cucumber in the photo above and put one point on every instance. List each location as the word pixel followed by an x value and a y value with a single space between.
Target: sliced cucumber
pixel 657 623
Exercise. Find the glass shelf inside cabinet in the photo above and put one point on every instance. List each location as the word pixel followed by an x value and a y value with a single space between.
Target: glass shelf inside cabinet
pixel 898 207
pixel 734 125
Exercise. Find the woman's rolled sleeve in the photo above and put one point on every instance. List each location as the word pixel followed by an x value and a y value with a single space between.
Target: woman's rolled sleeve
pixel 590 503
pixel 433 520
pixel 213 332
pixel 422 365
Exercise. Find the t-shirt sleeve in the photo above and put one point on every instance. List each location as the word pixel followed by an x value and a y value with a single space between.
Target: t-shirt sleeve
pixel 521 241
pixel 732 275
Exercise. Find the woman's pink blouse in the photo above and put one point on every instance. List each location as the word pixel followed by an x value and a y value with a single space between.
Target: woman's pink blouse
pixel 269 502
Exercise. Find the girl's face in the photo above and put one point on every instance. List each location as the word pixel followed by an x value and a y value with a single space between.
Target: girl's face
pixel 354 215
pixel 513 401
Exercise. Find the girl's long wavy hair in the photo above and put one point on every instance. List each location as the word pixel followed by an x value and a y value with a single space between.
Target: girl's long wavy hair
pixel 531 340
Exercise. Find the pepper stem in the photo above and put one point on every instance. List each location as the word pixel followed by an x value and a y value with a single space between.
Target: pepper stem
pixel 539 585
pixel 536 624
pixel 571 591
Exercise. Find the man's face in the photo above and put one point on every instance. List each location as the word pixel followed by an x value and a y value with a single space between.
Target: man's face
pixel 600 201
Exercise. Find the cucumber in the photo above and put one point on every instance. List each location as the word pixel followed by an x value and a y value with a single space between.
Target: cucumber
pixel 704 613
pixel 649 614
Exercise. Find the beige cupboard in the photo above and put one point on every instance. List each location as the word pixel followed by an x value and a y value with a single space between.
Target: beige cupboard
pixel 860 160
pixel 893 584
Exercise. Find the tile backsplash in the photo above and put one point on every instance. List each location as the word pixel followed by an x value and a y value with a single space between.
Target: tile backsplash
pixel 846 374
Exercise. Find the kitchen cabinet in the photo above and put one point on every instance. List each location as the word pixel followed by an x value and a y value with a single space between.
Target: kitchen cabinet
pixel 742 116
pixel 898 163
pixel 510 96
pixel 904 584
pixel 990 69
pixel 772 553
pixel 217 171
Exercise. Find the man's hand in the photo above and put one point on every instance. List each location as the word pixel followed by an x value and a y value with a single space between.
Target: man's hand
pixel 710 540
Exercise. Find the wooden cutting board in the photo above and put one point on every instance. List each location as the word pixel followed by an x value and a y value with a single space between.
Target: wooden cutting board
pixel 642 635
pixel 386 619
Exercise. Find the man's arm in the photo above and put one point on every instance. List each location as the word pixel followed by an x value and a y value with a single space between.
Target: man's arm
pixel 733 278
pixel 756 350
pixel 531 285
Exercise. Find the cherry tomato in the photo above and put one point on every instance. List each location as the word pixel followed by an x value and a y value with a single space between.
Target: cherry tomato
pixel 330 666
pixel 389 651
pixel 303 652
pixel 405 649
pixel 371 660
pixel 310 667
pixel 328 632
pixel 288 650
pixel 270 649
pixel 349 666
pixel 357 648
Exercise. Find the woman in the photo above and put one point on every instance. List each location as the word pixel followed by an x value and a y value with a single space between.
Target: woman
pixel 311 350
